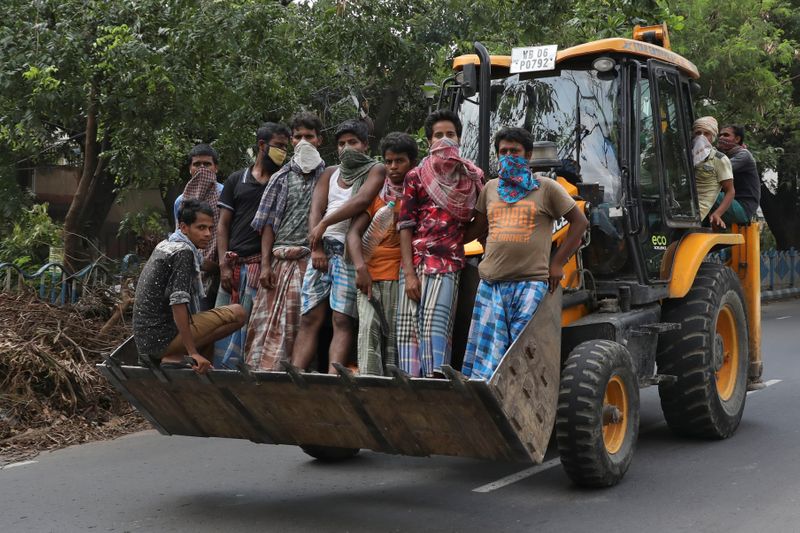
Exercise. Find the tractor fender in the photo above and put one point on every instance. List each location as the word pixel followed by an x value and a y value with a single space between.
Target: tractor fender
pixel 690 253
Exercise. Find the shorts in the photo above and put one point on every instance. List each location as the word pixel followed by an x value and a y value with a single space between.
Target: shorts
pixel 203 325
pixel 338 285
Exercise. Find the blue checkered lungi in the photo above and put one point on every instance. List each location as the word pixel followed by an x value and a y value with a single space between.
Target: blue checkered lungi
pixel 502 310
pixel 338 283
pixel 229 352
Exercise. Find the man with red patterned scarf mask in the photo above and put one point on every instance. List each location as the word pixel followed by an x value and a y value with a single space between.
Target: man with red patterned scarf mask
pixel 203 186
pixel 438 199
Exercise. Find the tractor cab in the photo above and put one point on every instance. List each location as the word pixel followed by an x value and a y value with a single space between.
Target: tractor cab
pixel 620 113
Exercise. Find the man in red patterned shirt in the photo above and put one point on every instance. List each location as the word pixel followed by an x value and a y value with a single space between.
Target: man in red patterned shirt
pixel 438 199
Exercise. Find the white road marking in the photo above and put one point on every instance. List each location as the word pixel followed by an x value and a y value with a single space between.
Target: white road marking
pixel 783 317
pixel 14 465
pixel 519 476
pixel 766 384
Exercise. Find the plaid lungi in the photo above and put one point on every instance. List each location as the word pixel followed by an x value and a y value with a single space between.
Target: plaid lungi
pixel 424 329
pixel 376 350
pixel 502 310
pixel 275 319
pixel 228 351
pixel 337 284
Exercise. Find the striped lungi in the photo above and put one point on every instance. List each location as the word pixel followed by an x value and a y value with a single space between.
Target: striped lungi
pixel 502 310
pixel 376 350
pixel 424 329
pixel 275 319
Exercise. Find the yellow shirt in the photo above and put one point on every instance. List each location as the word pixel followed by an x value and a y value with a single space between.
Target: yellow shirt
pixel 709 176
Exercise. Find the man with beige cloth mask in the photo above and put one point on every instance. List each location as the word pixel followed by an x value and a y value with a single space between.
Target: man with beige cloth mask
pixel 712 171
pixel 282 221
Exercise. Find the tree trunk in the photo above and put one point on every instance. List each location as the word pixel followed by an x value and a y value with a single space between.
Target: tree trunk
pixel 781 213
pixel 386 109
pixel 75 254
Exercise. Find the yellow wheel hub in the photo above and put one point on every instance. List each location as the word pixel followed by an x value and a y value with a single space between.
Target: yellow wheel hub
pixel 615 414
pixel 727 373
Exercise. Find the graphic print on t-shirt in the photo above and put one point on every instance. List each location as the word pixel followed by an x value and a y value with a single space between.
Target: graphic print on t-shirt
pixel 511 222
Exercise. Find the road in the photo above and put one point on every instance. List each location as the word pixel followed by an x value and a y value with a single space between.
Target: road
pixel 147 482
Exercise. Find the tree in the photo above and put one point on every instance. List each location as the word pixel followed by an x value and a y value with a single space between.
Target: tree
pixel 132 84
pixel 746 61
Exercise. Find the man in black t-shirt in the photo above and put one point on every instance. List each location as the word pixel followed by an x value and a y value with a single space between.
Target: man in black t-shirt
pixel 167 327
pixel 239 246
pixel 746 181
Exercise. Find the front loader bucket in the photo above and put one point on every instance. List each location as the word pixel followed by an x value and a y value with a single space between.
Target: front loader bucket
pixel 509 418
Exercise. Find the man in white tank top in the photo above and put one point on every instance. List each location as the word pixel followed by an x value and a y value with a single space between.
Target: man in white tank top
pixel 330 280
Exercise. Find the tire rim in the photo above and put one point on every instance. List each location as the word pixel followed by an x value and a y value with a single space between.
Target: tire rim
pixel 727 373
pixel 615 414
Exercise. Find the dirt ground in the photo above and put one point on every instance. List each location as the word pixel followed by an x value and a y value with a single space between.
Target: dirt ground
pixel 51 394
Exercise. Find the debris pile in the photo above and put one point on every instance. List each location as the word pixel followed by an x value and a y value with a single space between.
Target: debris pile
pixel 51 394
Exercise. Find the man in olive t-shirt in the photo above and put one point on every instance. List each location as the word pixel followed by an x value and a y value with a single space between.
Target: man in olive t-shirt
pixel 518 209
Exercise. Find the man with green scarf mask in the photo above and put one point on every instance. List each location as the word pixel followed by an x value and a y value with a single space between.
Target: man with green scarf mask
pixel 329 279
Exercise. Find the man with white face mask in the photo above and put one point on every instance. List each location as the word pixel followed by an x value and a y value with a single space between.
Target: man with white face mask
pixel 282 221
pixel 712 171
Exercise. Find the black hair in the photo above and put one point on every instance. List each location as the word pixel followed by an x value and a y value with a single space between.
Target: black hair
pixel 203 149
pixel 440 115
pixel 189 209
pixel 268 130
pixel 306 119
pixel 400 143
pixel 357 127
pixel 738 131
pixel 519 135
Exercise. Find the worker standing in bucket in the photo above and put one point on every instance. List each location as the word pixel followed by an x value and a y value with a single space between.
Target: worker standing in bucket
pixel 518 210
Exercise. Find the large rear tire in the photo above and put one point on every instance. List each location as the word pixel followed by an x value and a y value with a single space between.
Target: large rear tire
pixel 597 421
pixel 709 356
pixel 330 454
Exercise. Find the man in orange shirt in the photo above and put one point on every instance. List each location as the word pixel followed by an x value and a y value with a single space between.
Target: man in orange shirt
pixel 377 275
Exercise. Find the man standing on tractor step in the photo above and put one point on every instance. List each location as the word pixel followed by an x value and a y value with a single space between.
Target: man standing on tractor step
pixel 518 210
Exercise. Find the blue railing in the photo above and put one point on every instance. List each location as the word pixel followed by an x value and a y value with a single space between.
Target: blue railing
pixel 55 285
pixel 780 270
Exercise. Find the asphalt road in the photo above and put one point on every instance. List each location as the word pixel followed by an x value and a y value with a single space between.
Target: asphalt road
pixel 146 482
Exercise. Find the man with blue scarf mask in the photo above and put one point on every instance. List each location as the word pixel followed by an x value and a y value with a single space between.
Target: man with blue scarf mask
pixel 167 328
pixel 517 210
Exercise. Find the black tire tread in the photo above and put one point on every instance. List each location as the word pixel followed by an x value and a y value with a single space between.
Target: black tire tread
pixel 687 403
pixel 579 417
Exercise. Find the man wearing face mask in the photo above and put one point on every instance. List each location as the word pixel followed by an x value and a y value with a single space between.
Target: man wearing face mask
pixel 330 280
pixel 238 244
pixel 712 171
pixel 282 221
pixel 746 179
pixel 517 210
pixel 438 199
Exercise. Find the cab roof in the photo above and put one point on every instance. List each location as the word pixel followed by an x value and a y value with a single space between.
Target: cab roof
pixel 614 44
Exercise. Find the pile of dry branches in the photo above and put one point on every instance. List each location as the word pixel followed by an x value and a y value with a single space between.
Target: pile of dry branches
pixel 51 395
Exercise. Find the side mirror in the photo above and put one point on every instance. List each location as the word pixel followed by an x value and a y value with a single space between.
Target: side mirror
pixel 469 80
pixel 695 87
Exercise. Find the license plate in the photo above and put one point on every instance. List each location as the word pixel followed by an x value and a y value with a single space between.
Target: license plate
pixel 533 58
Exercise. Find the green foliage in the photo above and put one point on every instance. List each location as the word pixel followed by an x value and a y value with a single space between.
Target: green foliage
pixel 767 239
pixel 31 237
pixel 165 74
pixel 144 224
